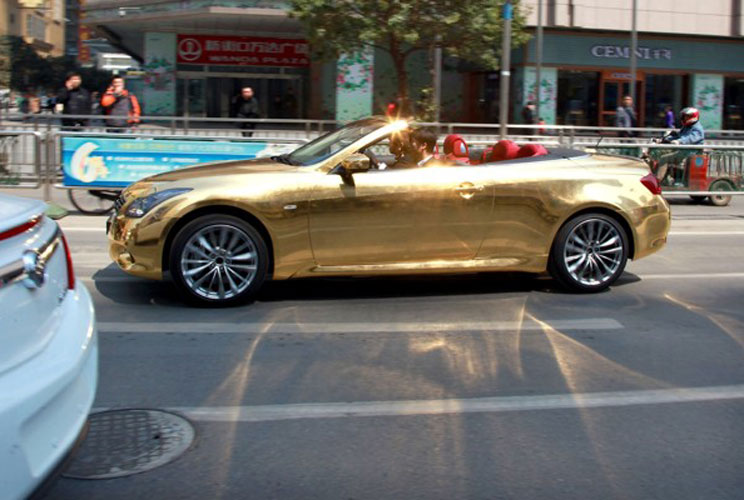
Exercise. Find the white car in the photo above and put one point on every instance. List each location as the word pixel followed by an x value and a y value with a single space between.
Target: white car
pixel 48 348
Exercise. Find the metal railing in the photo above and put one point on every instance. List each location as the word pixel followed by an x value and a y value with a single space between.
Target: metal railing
pixel 32 158
pixel 308 129
pixel 21 158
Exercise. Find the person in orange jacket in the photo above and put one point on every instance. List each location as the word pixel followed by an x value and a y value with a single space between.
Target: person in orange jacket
pixel 120 106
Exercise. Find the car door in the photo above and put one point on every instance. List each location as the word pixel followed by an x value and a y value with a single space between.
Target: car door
pixel 398 216
pixel 367 222
pixel 453 207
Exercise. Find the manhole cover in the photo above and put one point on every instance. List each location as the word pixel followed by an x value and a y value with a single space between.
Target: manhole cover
pixel 125 442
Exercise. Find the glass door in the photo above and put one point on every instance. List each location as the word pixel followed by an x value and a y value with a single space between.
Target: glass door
pixel 611 97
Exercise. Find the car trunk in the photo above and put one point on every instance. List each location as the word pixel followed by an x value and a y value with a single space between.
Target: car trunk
pixel 31 287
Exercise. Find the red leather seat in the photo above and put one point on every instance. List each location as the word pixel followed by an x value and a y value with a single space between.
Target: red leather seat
pixel 503 150
pixel 456 149
pixel 529 150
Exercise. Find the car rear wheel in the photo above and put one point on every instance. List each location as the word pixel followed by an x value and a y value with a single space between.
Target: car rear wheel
pixel 589 253
pixel 218 260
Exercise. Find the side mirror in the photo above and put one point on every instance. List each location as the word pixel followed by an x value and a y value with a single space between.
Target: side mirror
pixel 355 163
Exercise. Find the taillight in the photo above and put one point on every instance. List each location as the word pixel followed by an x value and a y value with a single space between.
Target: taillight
pixel 70 270
pixel 19 229
pixel 651 183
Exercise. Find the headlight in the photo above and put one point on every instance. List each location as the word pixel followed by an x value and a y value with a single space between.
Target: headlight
pixel 141 206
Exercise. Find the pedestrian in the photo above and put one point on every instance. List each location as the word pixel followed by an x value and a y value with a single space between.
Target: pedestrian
pixel 74 100
pixel 290 103
pixel 529 116
pixel 120 106
pixel 669 117
pixel 625 117
pixel 245 106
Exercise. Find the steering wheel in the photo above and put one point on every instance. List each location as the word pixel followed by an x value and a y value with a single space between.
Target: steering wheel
pixel 374 162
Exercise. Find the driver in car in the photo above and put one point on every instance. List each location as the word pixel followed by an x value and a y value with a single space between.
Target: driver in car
pixel 414 149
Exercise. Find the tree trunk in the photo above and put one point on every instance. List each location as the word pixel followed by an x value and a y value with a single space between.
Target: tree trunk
pixel 399 62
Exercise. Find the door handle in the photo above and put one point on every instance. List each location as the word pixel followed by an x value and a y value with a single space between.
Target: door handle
pixel 468 188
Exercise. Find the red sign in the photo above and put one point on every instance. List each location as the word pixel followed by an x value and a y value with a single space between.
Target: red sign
pixel 241 51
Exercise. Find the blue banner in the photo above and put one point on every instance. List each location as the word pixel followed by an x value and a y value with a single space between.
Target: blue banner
pixel 96 162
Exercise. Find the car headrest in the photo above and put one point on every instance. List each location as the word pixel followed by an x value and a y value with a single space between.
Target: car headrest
pixel 529 150
pixel 455 145
pixel 504 150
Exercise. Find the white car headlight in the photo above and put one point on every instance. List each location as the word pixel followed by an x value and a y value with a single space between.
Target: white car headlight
pixel 140 206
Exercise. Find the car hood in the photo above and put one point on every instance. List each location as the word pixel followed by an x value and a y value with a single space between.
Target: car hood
pixel 235 167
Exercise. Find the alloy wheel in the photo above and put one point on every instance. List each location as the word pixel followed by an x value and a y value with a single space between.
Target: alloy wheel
pixel 219 262
pixel 593 252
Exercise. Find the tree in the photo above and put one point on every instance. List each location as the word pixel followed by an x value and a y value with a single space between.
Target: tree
pixel 25 68
pixel 467 29
pixel 22 69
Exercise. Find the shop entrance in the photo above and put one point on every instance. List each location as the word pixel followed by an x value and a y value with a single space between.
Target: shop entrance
pixel 277 97
pixel 212 95
pixel 614 85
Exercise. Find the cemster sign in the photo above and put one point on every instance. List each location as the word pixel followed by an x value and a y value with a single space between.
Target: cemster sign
pixel 623 52
pixel 241 51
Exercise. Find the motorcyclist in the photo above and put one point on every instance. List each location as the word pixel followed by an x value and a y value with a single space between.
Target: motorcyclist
pixel 691 133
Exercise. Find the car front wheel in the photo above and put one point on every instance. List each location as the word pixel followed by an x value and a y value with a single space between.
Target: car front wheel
pixel 589 253
pixel 218 260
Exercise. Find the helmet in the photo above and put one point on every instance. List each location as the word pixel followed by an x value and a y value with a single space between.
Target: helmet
pixel 689 116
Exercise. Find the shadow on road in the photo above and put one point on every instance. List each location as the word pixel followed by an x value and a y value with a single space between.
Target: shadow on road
pixel 138 291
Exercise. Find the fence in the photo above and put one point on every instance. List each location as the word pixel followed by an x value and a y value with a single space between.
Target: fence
pixel 30 158
pixel 309 129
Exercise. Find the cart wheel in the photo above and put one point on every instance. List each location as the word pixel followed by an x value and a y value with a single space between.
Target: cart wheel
pixel 92 202
pixel 698 199
pixel 720 200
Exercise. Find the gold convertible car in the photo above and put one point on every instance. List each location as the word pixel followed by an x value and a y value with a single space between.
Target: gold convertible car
pixel 334 207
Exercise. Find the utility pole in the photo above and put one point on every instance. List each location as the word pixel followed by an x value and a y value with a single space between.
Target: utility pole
pixel 437 78
pixel 507 14
pixel 633 49
pixel 538 58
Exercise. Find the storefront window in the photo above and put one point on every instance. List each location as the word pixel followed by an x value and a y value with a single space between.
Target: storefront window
pixel 577 98
pixel 662 91
pixel 733 103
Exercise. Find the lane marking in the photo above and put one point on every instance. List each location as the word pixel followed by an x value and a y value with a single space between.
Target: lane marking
pixel 671 233
pixel 706 233
pixel 83 229
pixel 359 327
pixel 270 413
pixel 113 279
pixel 690 276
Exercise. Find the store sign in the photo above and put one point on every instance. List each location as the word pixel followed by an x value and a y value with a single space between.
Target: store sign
pixel 623 52
pixel 242 51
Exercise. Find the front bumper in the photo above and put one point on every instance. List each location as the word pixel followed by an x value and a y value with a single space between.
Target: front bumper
pixel 44 402
pixel 136 245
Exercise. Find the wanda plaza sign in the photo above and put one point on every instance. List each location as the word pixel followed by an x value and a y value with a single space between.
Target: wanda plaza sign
pixel 241 51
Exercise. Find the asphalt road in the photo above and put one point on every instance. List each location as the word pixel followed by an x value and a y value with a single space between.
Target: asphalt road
pixel 479 386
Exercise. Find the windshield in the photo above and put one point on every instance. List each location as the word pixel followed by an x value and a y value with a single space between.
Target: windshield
pixel 326 145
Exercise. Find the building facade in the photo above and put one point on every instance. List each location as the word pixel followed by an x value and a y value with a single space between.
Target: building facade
pixel 690 53
pixel 197 54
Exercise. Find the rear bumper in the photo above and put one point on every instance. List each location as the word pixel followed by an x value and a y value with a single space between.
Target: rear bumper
pixel 652 223
pixel 44 402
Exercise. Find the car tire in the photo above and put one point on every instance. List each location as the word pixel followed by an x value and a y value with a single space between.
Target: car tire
pixel 589 253
pixel 218 260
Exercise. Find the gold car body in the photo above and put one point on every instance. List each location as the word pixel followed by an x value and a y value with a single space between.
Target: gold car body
pixel 433 219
